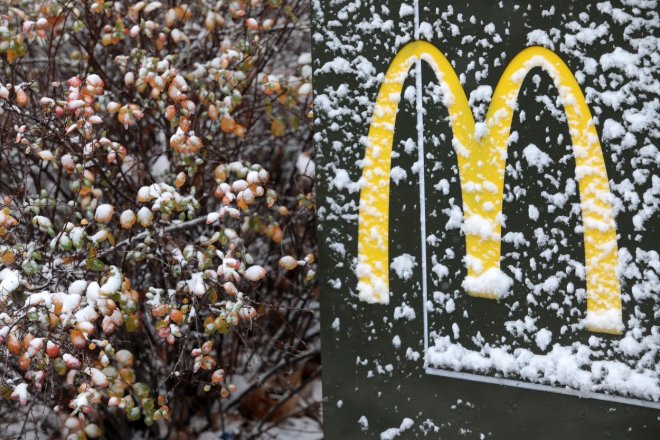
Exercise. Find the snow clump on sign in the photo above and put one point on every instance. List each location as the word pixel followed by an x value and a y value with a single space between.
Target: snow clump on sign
pixel 392 433
pixel 493 282
pixel 403 265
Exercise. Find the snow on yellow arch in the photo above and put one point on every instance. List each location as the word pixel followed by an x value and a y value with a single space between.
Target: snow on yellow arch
pixel 481 150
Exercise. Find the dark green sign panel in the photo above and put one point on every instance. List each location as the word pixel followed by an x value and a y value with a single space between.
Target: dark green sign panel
pixel 488 195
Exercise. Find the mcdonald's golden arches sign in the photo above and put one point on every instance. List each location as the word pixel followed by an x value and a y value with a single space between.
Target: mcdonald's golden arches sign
pixel 488 195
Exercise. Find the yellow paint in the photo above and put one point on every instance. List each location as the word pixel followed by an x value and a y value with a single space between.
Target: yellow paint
pixel 481 164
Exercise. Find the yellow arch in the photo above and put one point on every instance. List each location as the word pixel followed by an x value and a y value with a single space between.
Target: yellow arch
pixel 481 163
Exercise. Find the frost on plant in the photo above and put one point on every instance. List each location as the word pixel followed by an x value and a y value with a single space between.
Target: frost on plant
pixel 151 181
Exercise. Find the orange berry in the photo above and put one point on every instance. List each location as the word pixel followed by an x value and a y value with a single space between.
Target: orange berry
pixel 227 124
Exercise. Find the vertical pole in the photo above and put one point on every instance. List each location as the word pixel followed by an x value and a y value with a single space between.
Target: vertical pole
pixel 422 185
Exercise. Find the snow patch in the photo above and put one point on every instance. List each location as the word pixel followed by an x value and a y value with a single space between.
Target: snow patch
pixel 493 282
pixel 403 265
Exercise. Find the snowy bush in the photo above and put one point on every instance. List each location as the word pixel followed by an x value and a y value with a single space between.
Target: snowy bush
pixel 150 204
